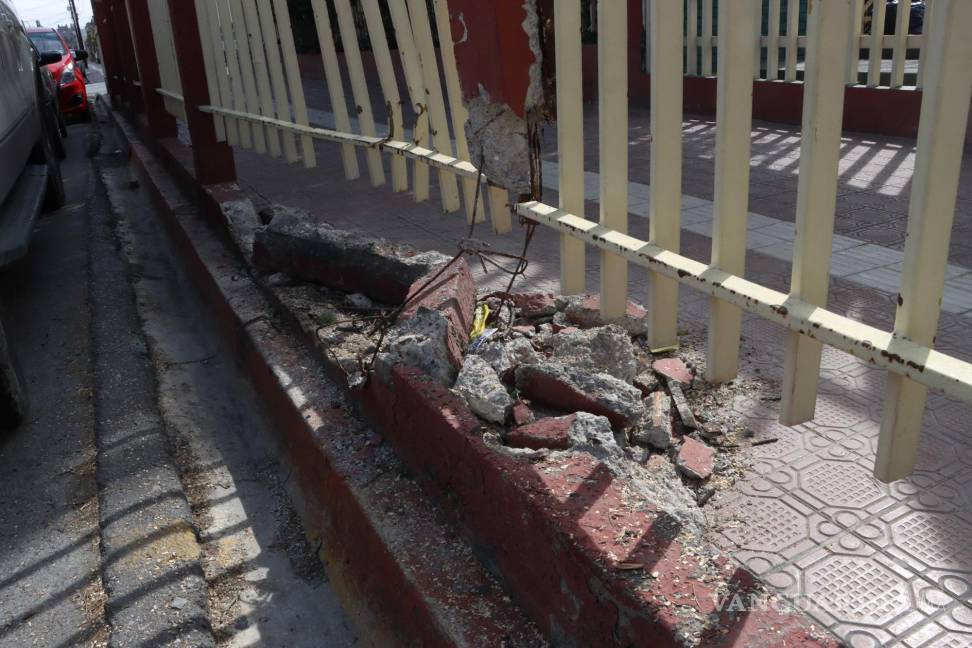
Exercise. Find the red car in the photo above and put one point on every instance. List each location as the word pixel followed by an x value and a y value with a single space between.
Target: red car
pixel 72 95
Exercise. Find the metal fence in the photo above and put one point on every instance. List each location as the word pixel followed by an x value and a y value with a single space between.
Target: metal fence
pixel 257 101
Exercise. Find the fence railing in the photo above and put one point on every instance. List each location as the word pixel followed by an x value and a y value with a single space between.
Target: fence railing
pixel 781 47
pixel 257 101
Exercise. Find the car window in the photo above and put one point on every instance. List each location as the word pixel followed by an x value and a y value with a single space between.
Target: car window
pixel 48 42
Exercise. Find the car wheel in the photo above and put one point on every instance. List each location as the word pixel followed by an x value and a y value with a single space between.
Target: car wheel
pixel 13 404
pixel 45 153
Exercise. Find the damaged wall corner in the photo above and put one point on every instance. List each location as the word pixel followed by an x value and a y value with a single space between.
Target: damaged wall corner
pixel 499 53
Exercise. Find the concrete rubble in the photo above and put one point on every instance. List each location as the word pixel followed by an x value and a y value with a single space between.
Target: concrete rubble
pixel 480 387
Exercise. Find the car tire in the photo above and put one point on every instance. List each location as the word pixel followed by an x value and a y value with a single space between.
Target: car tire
pixel 61 124
pixel 13 403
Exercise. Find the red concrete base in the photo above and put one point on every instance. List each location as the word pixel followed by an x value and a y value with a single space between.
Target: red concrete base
pixel 397 564
pixel 586 563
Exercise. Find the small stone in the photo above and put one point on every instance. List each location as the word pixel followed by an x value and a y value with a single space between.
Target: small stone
pixel 682 405
pixel 522 414
pixel 482 390
pixel 704 494
pixel 178 603
pixel 526 331
pixel 550 433
pixel 712 431
pixel 281 280
pixel 359 301
pixel 675 369
pixel 637 454
pixel 695 459
pixel 593 434
pixel 647 382
pixel 535 304
pixel 655 430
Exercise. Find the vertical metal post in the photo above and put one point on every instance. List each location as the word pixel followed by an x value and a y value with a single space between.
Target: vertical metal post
pixel 734 123
pixel 160 123
pixel 823 111
pixel 213 160
pixel 941 136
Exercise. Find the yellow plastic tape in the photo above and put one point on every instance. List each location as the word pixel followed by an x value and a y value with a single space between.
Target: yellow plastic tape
pixel 479 321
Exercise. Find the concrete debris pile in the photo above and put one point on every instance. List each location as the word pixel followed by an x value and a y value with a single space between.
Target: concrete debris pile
pixel 562 379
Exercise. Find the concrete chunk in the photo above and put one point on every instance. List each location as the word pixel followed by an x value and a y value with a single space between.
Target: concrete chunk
pixel 482 390
pixel 655 430
pixel 605 349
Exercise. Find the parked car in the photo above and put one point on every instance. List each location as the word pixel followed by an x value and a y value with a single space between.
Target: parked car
pixel 30 173
pixel 66 70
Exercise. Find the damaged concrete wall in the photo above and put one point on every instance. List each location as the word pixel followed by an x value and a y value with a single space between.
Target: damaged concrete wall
pixel 499 53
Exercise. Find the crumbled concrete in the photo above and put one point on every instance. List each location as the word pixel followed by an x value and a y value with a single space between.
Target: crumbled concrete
pixel 655 429
pixel 480 387
pixel 593 434
pixel 695 459
pixel 242 222
pixel 606 349
pixel 504 355
pixel 647 382
pixel 585 311
pixel 281 280
pixel 422 342
pixel 552 384
pixel 358 301
pixel 535 304
pixel 345 259
pixel 501 139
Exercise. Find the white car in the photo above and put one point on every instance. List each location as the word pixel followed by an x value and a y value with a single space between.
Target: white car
pixel 30 174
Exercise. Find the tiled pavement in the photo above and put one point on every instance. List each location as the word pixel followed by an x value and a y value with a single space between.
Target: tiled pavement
pixel 879 565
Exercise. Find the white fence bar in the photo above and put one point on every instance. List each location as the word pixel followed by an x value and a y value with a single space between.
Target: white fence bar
pixel 876 45
pixel 612 78
pixel 246 70
pixel 570 136
pixel 823 110
pixel 874 346
pixel 415 84
pixel 499 210
pixel 294 83
pixel 854 42
pixel 899 51
pixel 225 96
pixel 389 88
pixel 269 34
pixel 922 56
pixel 233 67
pixel 439 123
pixel 758 38
pixel 359 86
pixel 169 77
pixel 206 35
pixel 692 38
pixel 335 86
pixel 665 166
pixel 792 33
pixel 773 41
pixel 941 136
pixel 261 73
pixel 734 121
pixel 457 108
pixel 707 37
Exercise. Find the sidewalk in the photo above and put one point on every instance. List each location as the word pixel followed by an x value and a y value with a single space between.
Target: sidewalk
pixel 880 564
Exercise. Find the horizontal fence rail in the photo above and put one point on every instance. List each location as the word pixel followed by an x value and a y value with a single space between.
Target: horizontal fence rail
pixel 875 58
pixel 256 100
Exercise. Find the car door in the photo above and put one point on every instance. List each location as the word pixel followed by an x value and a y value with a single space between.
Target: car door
pixel 19 118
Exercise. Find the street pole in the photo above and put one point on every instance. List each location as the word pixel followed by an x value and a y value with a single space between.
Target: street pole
pixel 77 27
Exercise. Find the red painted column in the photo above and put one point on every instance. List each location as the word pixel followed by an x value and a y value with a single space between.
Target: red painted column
pixel 126 51
pixel 161 124
pixel 213 159
pixel 109 51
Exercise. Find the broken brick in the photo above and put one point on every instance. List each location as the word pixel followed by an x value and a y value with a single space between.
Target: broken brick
pixel 655 430
pixel 675 369
pixel 586 312
pixel 522 414
pixel 536 304
pixel 549 433
pixel 695 459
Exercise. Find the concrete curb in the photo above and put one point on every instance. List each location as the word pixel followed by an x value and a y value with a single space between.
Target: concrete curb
pixel 587 565
pixel 398 568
